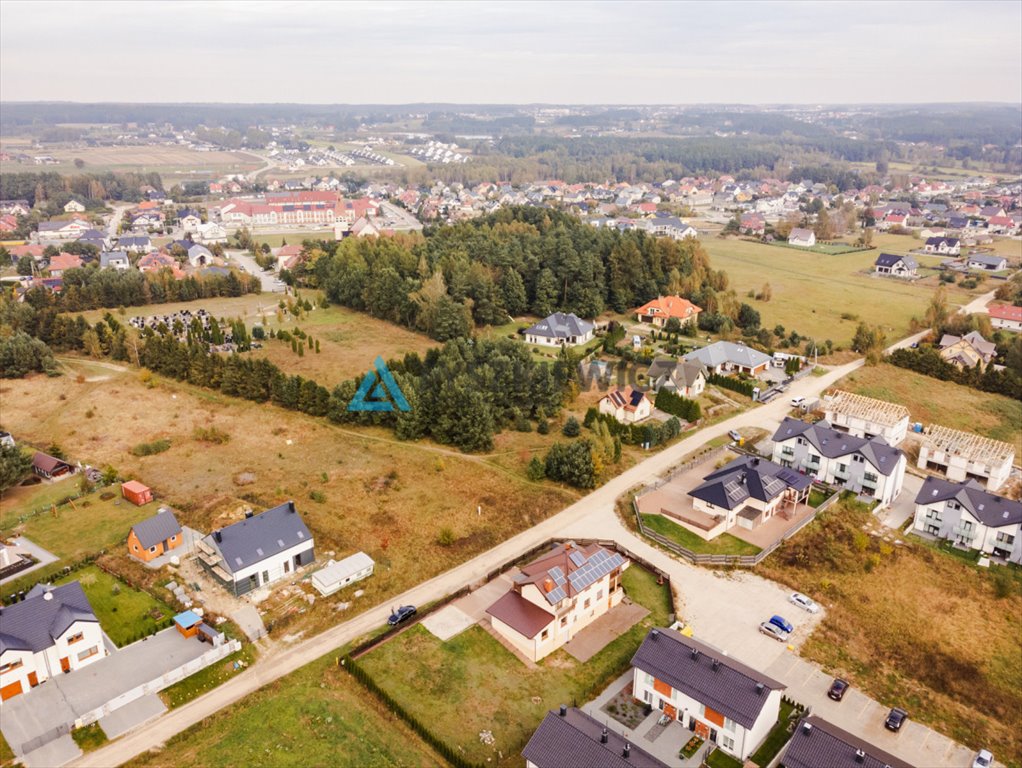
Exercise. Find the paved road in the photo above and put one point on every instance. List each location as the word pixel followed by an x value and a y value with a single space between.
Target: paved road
pixel 703 592
pixel 248 264
pixel 115 219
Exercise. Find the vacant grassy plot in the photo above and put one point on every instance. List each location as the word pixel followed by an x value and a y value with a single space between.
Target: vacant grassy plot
pixel 472 683
pixel 349 341
pixel 249 307
pixel 388 498
pixel 930 401
pixel 316 716
pixel 918 616
pixel 277 239
pixel 6 753
pixel 89 737
pixel 902 244
pixel 124 613
pixel 165 159
pixel 823 296
pixel 725 544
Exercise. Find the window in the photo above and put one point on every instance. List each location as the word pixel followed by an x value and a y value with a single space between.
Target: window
pixel 647 697
pixel 266 577
pixel 649 679
pixel 814 459
pixel 870 477
pixel 152 548
pixel 564 621
pixel 599 595
pixel 727 743
pixel 88 653
pixel 729 725
pixel 585 606
pixel 842 467
pixel 287 567
pixel 12 665
pixel 75 638
pixel 545 635
pixel 1005 538
pixel 859 459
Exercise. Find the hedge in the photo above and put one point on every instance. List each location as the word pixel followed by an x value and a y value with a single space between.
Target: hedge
pixel 679 406
pixel 729 382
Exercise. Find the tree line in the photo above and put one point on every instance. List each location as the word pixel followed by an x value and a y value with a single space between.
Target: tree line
pixel 47 186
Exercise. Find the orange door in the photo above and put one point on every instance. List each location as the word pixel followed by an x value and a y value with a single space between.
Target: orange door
pixel 65 664
pixel 10 691
pixel 33 679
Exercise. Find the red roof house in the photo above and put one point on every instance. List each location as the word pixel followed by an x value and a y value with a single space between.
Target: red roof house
pixel 658 311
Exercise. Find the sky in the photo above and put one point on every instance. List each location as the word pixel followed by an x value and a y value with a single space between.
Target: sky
pixel 583 52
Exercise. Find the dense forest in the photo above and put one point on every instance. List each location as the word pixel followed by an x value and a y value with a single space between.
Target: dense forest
pixel 53 187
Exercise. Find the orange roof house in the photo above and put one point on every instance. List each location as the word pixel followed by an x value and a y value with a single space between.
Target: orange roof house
pixel 658 311
pixel 136 492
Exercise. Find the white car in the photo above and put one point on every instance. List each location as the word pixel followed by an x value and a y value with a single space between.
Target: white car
pixel 983 759
pixel 804 602
pixel 797 401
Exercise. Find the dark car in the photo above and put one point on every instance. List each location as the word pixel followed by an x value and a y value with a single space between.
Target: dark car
pixel 895 719
pixel 402 614
pixel 838 689
pixel 782 623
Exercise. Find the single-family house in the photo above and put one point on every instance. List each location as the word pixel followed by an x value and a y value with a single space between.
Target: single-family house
pixel 199 255
pixel 661 309
pixel 745 492
pixel 94 237
pixel 988 262
pixel 114 260
pixel 135 243
pixel 337 575
pixel 137 493
pixel 147 220
pixel 816 743
pixel 560 329
pixel 1005 316
pixel 967 351
pixel 258 550
pixel 189 220
pixel 723 357
pixel 687 378
pixel 949 246
pixel 712 694
pixel 896 266
pixel 210 233
pixel 50 467
pixel 752 224
pixel 804 238
pixel 628 405
pixel 62 262
pixel 961 456
pixel 570 737
pixel 971 517
pixel 867 467
pixel 866 417
pixel 15 207
pixel 558 595
pixel 52 631
pixel 155 536
pixel 288 256
pixel 61 230
pixel 73 206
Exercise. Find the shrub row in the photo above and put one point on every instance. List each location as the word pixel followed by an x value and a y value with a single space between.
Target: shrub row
pixel 729 382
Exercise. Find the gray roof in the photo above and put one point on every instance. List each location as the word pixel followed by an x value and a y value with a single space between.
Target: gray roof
pixel 107 256
pixel 688 665
pixel 721 352
pixel 834 444
pixel 990 509
pixel 986 348
pixel 256 538
pixel 131 242
pixel 573 741
pixel 827 745
pixel 560 326
pixel 157 528
pixel 890 259
pixel 988 261
pixel 53 226
pixel 34 623
pixel 748 477
pixel 684 373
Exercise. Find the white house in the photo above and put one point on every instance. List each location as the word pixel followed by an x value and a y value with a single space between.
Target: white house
pixel 73 206
pixel 557 596
pixel 628 405
pixel 114 260
pixel 258 550
pixel 1005 316
pixel 804 238
pixel 687 378
pixel 210 233
pixel 560 329
pixel 707 691
pixel 896 266
pixel 335 576
pixel 199 256
pixel 962 456
pixel 950 246
pixel 61 230
pixel 867 467
pixel 970 517
pixel 190 221
pixel 866 417
pixel 989 263
pixel 723 357
pixel 52 631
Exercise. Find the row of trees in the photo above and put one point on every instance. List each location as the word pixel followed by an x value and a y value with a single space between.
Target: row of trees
pixel 927 361
pixel 56 188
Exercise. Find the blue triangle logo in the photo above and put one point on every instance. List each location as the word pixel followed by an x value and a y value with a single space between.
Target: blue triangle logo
pixel 379 391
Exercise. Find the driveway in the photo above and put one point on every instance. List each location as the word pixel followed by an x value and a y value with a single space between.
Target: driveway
pixel 243 260
pixel 903 507
pixel 21 545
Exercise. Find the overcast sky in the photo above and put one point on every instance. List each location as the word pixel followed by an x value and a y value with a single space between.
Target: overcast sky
pixel 517 52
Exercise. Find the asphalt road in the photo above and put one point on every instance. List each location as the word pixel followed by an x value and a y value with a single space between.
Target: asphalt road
pixel 718 611
pixel 268 279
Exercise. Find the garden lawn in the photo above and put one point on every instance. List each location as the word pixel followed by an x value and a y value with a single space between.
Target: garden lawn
pixel 209 678
pixel 124 612
pixel 472 683
pixel 725 544
pixel 89 737
pixel 776 739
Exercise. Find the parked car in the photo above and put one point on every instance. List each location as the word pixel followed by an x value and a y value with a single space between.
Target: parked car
pixel 782 623
pixel 895 719
pixel 804 602
pixel 774 631
pixel 402 614
pixel 797 401
pixel 983 759
pixel 735 435
pixel 838 689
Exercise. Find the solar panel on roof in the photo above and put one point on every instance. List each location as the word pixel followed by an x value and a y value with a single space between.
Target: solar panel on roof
pixel 577 558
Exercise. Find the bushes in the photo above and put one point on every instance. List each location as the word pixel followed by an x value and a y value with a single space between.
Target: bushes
pixel 21 354
pixel 211 435
pixel 729 382
pixel 928 362
pixel 151 449
pixel 651 432
pixel 679 406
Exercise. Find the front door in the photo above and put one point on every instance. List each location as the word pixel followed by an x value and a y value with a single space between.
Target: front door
pixel 65 664
pixel 33 679
pixel 671 711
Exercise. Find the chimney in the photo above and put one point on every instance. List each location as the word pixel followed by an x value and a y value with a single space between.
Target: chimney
pixel 548 585
pixel 217 536
pixel 807 729
pixel 627 750
pixel 564 710
pixel 47 595
pixel 695 653
pixel 759 689
pixel 291 507
pixel 860 756
pixel 604 736
pixel 655 634
pixel 248 513
pixel 716 665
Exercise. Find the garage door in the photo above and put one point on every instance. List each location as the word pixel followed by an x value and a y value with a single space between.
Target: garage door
pixel 9 691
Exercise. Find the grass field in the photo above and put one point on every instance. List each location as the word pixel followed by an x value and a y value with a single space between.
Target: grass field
pixel 316 716
pixel 472 683
pixel 930 401
pixel 123 612
pixel 903 244
pixel 277 239
pixel 912 627
pixel 248 307
pixel 387 498
pixel 823 296
pixel 164 159
pixel 209 678
pixel 725 544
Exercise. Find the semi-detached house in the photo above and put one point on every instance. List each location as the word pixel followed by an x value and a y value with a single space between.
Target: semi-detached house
pixel 710 693
pixel 971 517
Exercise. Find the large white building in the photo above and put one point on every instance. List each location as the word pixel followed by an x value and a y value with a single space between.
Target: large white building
pixel 560 329
pixel 557 596
pixel 962 456
pixel 52 631
pixel 970 517
pixel 867 467
pixel 258 550
pixel 707 691
pixel 866 417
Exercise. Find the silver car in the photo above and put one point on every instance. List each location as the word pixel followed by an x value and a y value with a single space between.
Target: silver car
pixel 773 631
pixel 804 602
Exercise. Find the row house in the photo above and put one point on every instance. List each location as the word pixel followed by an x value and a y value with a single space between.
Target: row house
pixel 971 517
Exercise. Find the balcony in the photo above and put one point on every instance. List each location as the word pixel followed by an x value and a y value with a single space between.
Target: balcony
pixel 965 533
